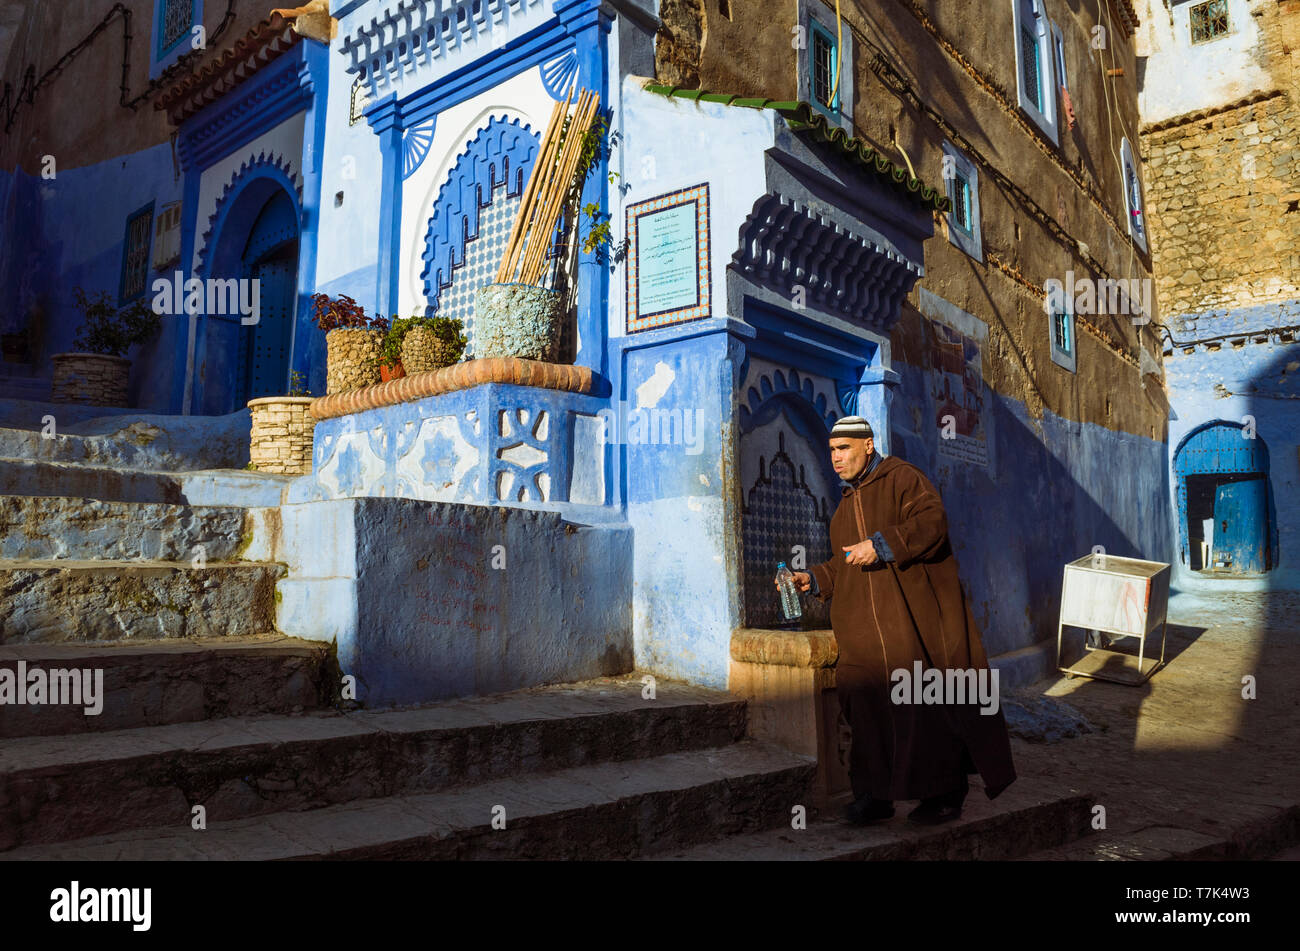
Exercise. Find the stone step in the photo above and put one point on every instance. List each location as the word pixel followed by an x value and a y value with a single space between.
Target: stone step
pixel 161 443
pixel 597 811
pixel 1024 818
pixel 51 601
pixel 237 487
pixel 160 682
pixel 49 527
pixel 59 788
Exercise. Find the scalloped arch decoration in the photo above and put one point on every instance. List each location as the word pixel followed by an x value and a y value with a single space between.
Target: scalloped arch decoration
pixel 273 167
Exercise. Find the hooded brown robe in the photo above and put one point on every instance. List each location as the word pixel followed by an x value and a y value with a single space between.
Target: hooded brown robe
pixel 888 615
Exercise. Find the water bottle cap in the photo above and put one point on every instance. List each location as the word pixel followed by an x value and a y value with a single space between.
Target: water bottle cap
pixel 780 564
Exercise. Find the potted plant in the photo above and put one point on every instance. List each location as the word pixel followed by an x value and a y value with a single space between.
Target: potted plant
pixel 282 426
pixel 431 343
pixel 98 371
pixel 352 342
pixel 516 316
pixel 390 351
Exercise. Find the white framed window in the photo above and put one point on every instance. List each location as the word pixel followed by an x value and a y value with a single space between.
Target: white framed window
pixel 1034 64
pixel 962 183
pixel 825 63
pixel 1134 207
pixel 1058 57
pixel 1060 329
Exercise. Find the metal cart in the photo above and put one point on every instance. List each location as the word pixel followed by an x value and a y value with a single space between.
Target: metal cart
pixel 1126 597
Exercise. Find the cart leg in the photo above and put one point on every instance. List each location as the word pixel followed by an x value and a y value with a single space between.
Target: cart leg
pixel 1059 628
pixel 1164 629
pixel 1142 646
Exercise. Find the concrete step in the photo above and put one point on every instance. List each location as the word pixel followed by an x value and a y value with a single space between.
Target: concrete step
pixel 46 527
pixel 161 443
pixel 237 487
pixel 59 788
pixel 50 601
pixel 1024 818
pixel 1259 837
pixel 161 682
pixel 596 811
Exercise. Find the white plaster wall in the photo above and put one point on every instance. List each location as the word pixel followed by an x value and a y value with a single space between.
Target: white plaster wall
pixel 521 97
pixel 283 142
pixel 348 237
pixel 1182 77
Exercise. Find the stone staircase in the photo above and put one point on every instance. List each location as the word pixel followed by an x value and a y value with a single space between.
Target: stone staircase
pixel 204 705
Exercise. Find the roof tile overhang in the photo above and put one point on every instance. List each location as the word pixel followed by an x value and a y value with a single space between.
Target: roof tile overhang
pixel 802 117
pixel 267 41
pixel 1128 16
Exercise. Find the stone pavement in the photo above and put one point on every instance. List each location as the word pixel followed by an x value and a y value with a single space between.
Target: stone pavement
pixel 1183 765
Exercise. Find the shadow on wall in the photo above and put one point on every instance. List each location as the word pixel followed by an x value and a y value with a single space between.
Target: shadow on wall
pixel 1052 492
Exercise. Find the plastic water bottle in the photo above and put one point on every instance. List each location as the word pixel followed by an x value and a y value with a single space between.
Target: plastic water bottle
pixel 789 595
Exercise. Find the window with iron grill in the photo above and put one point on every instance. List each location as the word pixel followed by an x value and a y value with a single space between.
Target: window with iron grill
pixel 1134 198
pixel 177 18
pixel 960 195
pixel 135 260
pixel 1061 332
pixel 823 68
pixel 1029 56
pixel 1208 20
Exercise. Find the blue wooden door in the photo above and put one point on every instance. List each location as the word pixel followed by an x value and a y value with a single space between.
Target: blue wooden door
pixel 268 358
pixel 1240 525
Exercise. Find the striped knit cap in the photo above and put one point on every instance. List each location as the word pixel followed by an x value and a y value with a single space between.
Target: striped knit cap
pixel 855 427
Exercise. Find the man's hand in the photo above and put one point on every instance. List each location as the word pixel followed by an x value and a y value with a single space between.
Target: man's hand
pixel 802 580
pixel 863 553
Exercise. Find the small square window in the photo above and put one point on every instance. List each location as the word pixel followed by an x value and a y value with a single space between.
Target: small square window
pixel 135 257
pixel 963 195
pixel 1029 62
pixel 177 18
pixel 960 194
pixel 823 62
pixel 1061 330
pixel 1208 21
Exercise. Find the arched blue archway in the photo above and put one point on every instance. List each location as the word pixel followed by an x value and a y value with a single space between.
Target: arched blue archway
pixel 1226 509
pixel 253 235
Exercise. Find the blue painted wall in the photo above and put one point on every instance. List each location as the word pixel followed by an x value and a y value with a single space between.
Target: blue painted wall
pixel 1231 383
pixel 70 231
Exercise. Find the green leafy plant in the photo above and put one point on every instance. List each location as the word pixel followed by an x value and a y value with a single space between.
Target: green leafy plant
pixel 298 384
pixel 110 329
pixel 447 330
pixel 342 313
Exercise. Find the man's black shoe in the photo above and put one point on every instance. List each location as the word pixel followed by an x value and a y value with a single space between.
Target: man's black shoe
pixel 932 812
pixel 940 809
pixel 867 810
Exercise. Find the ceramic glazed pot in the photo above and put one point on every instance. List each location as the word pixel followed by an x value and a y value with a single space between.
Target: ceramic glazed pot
pixel 516 320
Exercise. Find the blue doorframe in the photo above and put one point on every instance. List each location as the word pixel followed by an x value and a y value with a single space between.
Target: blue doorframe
pixel 1221 470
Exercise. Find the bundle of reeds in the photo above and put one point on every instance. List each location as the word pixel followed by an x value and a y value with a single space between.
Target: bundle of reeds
pixel 548 190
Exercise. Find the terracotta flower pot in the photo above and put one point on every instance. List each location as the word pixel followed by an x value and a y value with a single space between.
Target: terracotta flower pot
pixel 394 372
pixel 352 359
pixel 516 320
pixel 280 440
pixel 96 379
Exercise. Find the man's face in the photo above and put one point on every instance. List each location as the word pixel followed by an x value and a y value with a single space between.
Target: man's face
pixel 849 455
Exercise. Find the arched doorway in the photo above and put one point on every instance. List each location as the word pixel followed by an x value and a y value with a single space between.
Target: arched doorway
pixel 254 237
pixel 271 259
pixel 1226 518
